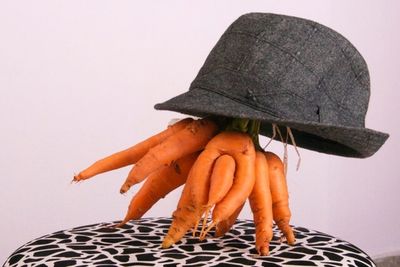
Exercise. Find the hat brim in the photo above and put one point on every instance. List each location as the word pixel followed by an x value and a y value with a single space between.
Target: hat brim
pixel 330 139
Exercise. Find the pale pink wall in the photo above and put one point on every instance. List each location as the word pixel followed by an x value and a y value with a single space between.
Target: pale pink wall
pixel 79 79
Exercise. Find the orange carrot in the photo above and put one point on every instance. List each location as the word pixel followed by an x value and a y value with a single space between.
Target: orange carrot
pixel 158 185
pixel 193 199
pixel 241 148
pixel 280 195
pixel 261 206
pixel 221 179
pixel 183 218
pixel 195 194
pixel 220 182
pixel 224 226
pixel 189 140
pixel 131 155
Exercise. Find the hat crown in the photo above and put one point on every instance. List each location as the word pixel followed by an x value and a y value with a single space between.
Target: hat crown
pixel 289 67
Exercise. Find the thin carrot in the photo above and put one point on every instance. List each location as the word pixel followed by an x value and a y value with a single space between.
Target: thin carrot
pixel 193 138
pixel 158 185
pixel 241 148
pixel 280 196
pixel 261 205
pixel 131 155
pixel 224 226
pixel 220 182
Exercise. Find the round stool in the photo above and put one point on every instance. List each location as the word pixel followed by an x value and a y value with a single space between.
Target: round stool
pixel 138 243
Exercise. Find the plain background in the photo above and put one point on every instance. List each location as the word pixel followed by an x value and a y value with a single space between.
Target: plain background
pixel 79 80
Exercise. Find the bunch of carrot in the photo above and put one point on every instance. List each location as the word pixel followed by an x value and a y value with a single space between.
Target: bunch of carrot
pixel 220 170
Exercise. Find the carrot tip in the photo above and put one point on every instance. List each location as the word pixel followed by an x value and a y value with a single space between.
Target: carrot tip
pixel 76 180
pixel 122 223
pixel 79 177
pixel 124 189
pixel 264 251
pixel 288 237
pixel 291 241
pixel 167 242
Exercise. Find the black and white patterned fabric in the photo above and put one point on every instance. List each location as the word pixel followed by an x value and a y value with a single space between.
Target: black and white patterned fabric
pixel 138 244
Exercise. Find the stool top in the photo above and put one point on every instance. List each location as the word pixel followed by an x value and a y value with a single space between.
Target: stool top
pixel 138 243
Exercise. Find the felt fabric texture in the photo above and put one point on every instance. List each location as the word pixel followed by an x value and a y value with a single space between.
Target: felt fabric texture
pixel 291 72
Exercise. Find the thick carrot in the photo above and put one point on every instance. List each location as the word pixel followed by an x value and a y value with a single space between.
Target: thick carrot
pixel 261 206
pixel 280 196
pixel 193 199
pixel 183 218
pixel 220 182
pixel 158 185
pixel 224 226
pixel 193 138
pixel 195 194
pixel 131 155
pixel 240 146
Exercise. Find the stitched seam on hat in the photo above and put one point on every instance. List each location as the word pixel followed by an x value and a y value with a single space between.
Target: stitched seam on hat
pixel 224 64
pixel 279 48
pixel 325 30
pixel 259 38
pixel 310 35
pixel 239 100
pixel 321 79
pixel 270 112
pixel 347 114
pixel 322 82
pixel 265 82
pixel 256 44
pixel 349 59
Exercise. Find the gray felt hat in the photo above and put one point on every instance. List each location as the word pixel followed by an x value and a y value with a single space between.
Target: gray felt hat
pixel 291 72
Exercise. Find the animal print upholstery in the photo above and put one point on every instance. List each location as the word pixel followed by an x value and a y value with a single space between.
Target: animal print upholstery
pixel 138 244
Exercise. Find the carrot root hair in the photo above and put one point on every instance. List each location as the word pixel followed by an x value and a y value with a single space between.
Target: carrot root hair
pixel 213 224
pixel 195 229
pixel 289 134
pixel 203 227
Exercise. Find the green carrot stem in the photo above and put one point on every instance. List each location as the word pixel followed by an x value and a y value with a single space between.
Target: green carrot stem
pixel 237 124
pixel 251 127
pixel 253 131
